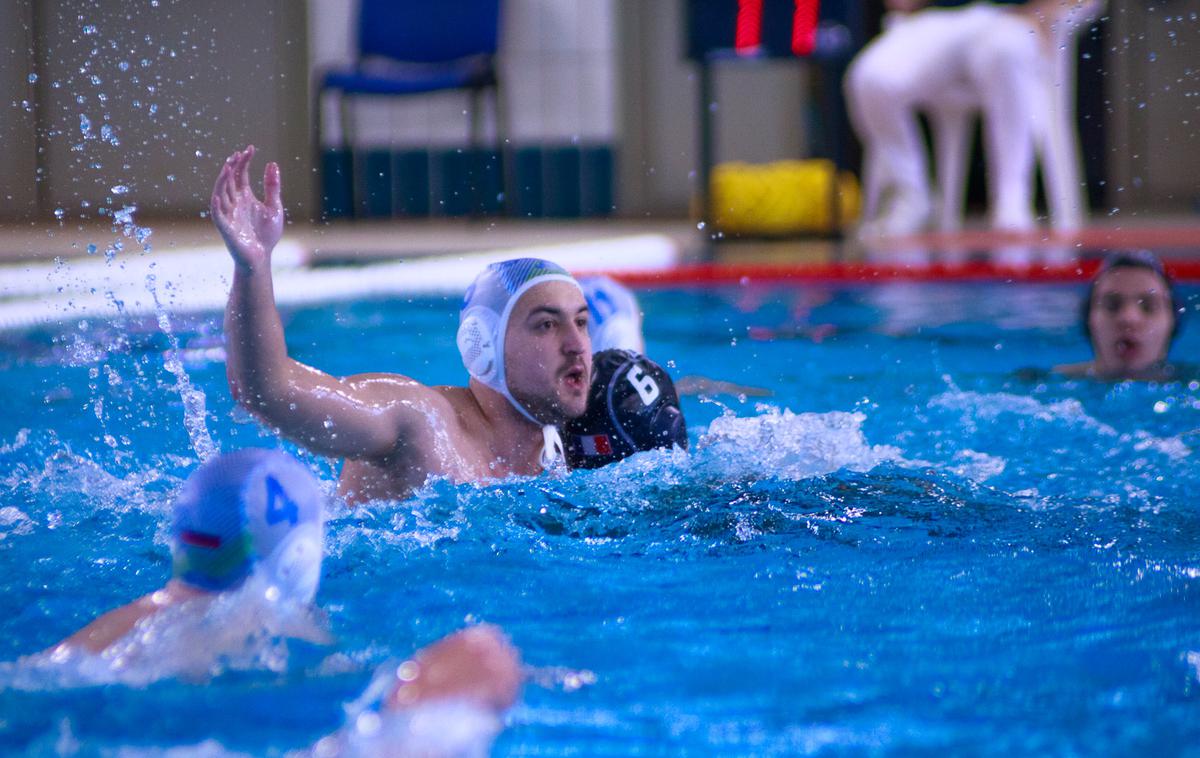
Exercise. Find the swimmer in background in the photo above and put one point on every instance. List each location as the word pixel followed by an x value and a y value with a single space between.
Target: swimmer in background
pixel 632 407
pixel 615 323
pixel 1130 316
pixel 523 339
pixel 240 513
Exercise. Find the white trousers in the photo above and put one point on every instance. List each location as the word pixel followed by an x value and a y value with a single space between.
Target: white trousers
pixel 979 56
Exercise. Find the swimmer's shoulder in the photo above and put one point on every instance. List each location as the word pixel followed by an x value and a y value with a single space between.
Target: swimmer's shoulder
pixel 115 624
pixel 703 386
pixel 1080 370
pixel 385 388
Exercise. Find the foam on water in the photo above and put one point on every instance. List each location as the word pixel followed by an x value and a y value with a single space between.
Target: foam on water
pixel 245 629
pixel 780 443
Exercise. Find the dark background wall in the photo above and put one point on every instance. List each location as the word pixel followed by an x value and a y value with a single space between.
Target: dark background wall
pixel 182 82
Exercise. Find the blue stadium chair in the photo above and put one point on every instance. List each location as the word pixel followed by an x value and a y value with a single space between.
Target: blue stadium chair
pixel 416 47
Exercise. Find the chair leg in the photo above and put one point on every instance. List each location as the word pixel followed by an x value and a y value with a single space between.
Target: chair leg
pixel 951 134
pixel 346 117
pixel 504 150
pixel 318 154
pixel 477 164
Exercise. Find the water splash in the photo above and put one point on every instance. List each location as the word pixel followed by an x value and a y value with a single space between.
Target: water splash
pixel 239 630
pixel 789 445
pixel 195 414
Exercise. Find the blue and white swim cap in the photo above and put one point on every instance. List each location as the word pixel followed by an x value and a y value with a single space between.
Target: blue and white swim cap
pixel 245 509
pixel 616 318
pixel 483 321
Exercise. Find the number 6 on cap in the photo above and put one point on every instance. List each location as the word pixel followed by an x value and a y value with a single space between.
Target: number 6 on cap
pixel 645 385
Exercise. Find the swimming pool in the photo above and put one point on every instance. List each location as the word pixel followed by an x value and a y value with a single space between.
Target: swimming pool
pixel 908 548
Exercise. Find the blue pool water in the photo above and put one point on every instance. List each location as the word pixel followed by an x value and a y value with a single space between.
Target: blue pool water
pixel 909 547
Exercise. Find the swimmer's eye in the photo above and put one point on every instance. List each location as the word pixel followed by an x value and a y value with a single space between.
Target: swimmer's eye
pixel 1149 305
pixel 544 325
pixel 1112 304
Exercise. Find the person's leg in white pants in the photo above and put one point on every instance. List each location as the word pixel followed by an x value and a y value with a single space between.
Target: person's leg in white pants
pixel 918 56
pixel 1007 68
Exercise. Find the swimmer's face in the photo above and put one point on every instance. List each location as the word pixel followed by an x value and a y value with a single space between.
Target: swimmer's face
pixel 547 352
pixel 1130 320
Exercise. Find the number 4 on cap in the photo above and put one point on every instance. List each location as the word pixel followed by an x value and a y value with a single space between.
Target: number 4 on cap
pixel 275 512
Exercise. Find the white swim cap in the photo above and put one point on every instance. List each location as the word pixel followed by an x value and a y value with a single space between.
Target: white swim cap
pixel 616 319
pixel 245 508
pixel 483 321
pixel 486 308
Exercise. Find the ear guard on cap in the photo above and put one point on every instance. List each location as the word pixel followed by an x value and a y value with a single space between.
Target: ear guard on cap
pixel 632 407
pixel 477 343
pixel 294 566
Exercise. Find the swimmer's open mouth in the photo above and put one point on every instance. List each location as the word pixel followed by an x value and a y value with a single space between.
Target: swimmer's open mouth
pixel 576 378
pixel 1125 347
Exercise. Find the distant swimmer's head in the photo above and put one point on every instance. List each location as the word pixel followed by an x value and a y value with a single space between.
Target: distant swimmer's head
pixel 247 509
pixel 1131 314
pixel 616 318
pixel 632 407
pixel 523 332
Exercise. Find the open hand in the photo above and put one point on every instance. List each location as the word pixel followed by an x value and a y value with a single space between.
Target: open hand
pixel 250 227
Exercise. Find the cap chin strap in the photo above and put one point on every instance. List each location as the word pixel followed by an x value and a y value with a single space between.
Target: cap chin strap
pixel 553 455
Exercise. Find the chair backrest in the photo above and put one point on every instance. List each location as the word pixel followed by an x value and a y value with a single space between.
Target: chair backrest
pixel 428 31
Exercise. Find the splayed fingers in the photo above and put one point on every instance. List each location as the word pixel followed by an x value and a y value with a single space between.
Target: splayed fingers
pixel 250 227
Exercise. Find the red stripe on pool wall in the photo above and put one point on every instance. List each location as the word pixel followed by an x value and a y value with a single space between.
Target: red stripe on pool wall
pixel 866 273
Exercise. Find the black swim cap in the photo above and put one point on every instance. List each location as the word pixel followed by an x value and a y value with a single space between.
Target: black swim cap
pixel 632 406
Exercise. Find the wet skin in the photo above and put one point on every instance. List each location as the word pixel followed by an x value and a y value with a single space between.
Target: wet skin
pixel 393 432
pixel 547 352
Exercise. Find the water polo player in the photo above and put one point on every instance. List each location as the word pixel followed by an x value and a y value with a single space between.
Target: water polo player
pixel 616 324
pixel 523 338
pixel 252 511
pixel 632 406
pixel 1130 316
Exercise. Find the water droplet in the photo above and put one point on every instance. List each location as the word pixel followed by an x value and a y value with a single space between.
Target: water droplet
pixel 701 226
pixel 58 213
pixel 119 189
pixel 123 65
pixel 89 29
pixel 91 249
pixel 85 125
pixel 32 78
pixel 1160 407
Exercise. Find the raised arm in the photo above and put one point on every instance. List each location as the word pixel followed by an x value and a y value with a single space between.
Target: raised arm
pixel 364 418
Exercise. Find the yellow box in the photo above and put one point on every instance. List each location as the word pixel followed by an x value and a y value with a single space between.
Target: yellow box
pixel 781 198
